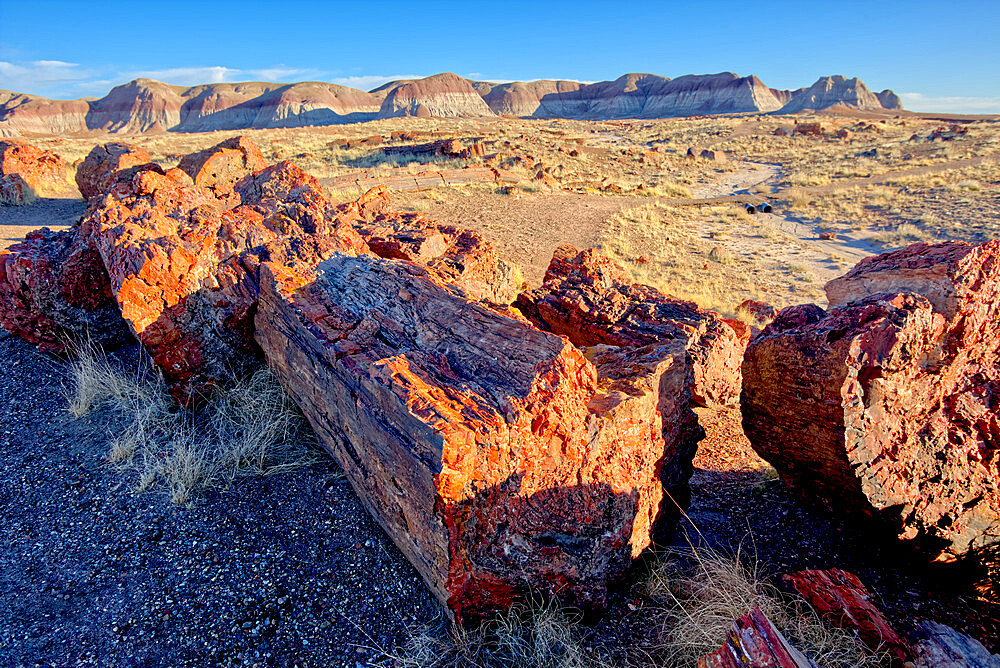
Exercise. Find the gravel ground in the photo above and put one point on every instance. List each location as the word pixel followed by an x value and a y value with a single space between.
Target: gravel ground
pixel 286 570
pixel 289 570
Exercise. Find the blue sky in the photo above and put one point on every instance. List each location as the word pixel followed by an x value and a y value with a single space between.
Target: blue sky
pixel 938 57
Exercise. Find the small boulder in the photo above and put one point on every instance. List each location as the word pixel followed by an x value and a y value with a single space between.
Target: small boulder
pixel 760 312
pixel 27 172
pixel 460 257
pixel 588 298
pixel 888 404
pixel 841 599
pixel 219 168
pixel 54 290
pixel 108 164
pixel 940 646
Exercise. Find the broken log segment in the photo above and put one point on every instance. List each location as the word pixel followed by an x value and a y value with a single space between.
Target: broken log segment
pixel 498 457
pixel 887 406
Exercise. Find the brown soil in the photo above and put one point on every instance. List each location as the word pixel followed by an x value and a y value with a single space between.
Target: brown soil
pixel 57 214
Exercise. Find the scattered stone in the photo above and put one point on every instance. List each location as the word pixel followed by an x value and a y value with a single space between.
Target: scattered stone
pixel 761 312
pixel 888 404
pixel 713 155
pixel 940 646
pixel 754 642
pixel 828 236
pixel 499 458
pixel 811 129
pixel 841 598
pixel 107 164
pixel 27 172
pixel 460 257
pixel 220 167
pixel 588 298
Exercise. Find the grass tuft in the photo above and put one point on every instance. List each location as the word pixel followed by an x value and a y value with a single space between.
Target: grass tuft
pixel 250 428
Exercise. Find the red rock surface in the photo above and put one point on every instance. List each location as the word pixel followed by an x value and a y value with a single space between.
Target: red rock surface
pixel 754 642
pixel 53 288
pixel 458 256
pixel 588 298
pixel 761 312
pixel 108 164
pixel 182 263
pixel 498 457
pixel 888 405
pixel 840 598
pixel 26 171
pixel 219 168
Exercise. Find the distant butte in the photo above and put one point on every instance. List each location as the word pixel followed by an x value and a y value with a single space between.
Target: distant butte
pixel 145 106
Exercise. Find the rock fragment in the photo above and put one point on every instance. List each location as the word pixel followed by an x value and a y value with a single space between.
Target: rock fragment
pixel 754 642
pixel 840 598
pixel 588 298
pixel 27 172
pixel 108 164
pixel 887 406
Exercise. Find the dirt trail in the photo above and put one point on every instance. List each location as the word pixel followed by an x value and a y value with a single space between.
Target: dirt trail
pixel 528 229
pixel 57 214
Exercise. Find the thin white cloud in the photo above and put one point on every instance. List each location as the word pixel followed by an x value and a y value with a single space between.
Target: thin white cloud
pixel 370 81
pixel 188 76
pixel 193 76
pixel 40 75
pixel 955 104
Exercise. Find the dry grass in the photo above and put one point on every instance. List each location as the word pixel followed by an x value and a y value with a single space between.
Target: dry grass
pixel 713 255
pixel 697 609
pixel 539 635
pixel 249 428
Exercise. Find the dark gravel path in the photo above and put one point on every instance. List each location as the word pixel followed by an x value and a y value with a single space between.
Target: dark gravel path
pixel 286 570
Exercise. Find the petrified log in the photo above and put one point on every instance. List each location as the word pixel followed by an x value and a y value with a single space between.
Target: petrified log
pixel 588 298
pixel 183 265
pixel 888 405
pixel 108 164
pixel 497 456
pixel 840 598
pixel 26 170
pixel 940 646
pixel 451 147
pixel 220 167
pixel 461 257
pixel 754 642
pixel 54 289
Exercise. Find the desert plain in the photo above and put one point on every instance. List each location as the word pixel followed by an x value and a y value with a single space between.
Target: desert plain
pixel 280 564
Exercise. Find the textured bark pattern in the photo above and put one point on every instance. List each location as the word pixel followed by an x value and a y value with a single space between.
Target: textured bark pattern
pixel 183 265
pixel 219 168
pixel 889 404
pixel 459 256
pixel 840 598
pixel 753 642
pixel 53 288
pixel 108 164
pixel 497 456
pixel 588 298
pixel 940 646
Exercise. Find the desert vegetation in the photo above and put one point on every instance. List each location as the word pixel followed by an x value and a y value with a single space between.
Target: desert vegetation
pixel 248 428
